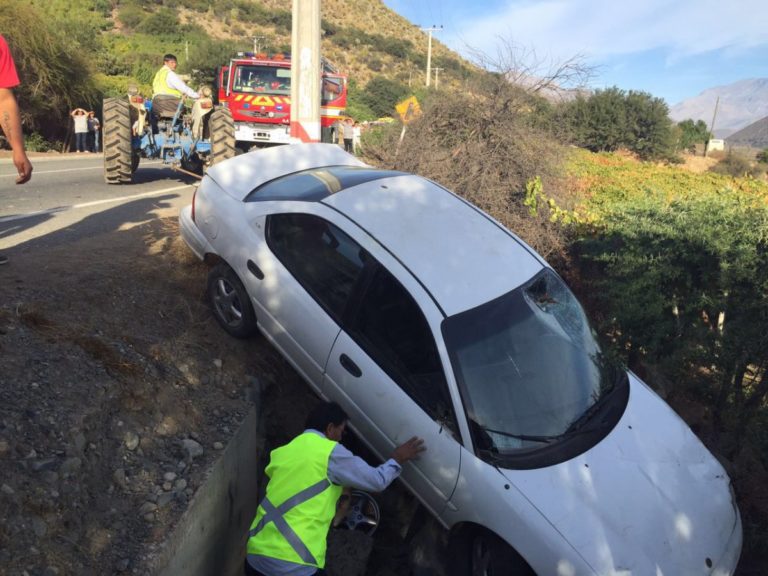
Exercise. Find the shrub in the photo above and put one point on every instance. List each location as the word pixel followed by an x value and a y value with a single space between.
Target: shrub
pixel 733 165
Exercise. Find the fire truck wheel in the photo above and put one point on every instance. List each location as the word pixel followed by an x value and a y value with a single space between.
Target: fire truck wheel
pixel 118 156
pixel 222 135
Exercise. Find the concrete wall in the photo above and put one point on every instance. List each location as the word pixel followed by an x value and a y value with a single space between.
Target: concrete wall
pixel 210 538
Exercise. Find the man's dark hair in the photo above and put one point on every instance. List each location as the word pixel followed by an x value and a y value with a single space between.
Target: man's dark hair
pixel 168 57
pixel 324 414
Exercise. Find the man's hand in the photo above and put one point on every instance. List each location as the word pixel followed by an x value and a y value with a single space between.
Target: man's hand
pixel 23 166
pixel 409 450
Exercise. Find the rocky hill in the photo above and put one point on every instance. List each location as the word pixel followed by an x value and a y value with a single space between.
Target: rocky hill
pixel 755 135
pixel 740 104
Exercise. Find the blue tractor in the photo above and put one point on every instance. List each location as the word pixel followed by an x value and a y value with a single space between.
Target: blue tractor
pixel 191 139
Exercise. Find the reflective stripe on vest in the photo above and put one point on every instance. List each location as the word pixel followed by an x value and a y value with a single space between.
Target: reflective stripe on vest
pixel 276 515
pixel 160 84
pixel 293 519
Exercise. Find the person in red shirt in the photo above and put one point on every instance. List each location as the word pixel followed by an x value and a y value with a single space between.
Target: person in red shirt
pixel 10 119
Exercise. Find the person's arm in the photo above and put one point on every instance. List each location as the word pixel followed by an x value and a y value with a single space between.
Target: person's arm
pixel 10 119
pixel 177 83
pixel 346 469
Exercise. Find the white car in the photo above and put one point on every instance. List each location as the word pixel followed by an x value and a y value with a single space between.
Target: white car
pixel 421 315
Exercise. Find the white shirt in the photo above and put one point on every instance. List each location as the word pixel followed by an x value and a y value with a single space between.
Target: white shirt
pixel 177 83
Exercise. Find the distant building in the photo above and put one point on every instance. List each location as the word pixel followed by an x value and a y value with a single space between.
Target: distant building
pixel 716 144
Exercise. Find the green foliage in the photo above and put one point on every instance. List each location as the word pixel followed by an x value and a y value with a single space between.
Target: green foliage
pixel 131 16
pixel 692 133
pixel 162 23
pixel 353 38
pixel 678 264
pixel 613 118
pixel 37 143
pixel 381 95
pixel 762 156
pixel 47 62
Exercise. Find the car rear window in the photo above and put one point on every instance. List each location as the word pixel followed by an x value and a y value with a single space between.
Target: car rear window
pixel 318 183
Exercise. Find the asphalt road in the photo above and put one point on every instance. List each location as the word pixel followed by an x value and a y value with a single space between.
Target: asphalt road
pixel 68 194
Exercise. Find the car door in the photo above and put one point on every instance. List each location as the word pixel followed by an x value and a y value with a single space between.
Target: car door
pixel 386 372
pixel 302 280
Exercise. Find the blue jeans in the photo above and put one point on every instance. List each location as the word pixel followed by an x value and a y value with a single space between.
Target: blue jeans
pixel 81 141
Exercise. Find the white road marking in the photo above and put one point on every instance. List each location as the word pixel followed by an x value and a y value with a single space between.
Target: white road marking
pixel 100 167
pixel 94 203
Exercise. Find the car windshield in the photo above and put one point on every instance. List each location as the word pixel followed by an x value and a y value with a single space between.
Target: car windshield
pixel 528 366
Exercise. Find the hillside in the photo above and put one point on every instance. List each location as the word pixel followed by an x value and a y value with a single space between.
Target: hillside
pixel 741 104
pixel 755 135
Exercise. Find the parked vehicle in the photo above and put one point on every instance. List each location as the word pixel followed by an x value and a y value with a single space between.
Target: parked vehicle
pixel 420 314
pixel 256 88
pixel 193 139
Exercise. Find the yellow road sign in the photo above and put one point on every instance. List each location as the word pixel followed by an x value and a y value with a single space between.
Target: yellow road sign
pixel 408 109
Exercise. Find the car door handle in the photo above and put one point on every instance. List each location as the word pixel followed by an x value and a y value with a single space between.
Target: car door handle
pixel 255 270
pixel 350 366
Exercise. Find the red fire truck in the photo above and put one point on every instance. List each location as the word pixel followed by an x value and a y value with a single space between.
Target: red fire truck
pixel 257 90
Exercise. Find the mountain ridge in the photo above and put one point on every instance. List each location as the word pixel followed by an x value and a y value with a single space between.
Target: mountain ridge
pixel 739 104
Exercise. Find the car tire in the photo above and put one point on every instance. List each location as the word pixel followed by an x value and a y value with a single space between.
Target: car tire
pixel 481 553
pixel 118 155
pixel 230 302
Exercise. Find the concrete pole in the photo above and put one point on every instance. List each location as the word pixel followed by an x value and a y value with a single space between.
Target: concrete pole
pixel 429 50
pixel 437 77
pixel 305 71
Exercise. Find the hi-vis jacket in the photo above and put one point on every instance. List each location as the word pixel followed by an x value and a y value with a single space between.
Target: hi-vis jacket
pixel 160 84
pixel 292 521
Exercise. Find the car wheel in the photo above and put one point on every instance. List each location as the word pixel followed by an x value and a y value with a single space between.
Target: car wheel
pixel 231 303
pixel 485 554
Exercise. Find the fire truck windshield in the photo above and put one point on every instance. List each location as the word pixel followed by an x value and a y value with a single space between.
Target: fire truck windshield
pixel 267 79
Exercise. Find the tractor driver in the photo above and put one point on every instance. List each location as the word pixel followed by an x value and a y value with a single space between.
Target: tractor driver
pixel 168 88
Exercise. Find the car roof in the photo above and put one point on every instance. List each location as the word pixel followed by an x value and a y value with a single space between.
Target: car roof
pixel 458 253
pixel 238 176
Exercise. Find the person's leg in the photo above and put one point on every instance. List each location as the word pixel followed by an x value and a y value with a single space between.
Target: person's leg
pixel 80 139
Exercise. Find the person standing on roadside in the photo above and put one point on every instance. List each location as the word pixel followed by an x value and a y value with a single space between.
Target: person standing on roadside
pixel 80 118
pixel 93 132
pixel 348 130
pixel 306 479
pixel 10 118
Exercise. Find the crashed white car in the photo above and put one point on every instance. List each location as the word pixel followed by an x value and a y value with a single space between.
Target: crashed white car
pixel 420 314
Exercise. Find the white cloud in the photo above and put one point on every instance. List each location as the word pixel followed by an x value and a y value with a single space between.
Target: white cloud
pixel 605 28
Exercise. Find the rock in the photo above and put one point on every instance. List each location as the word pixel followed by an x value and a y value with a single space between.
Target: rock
pixel 169 476
pixel 167 486
pixel 70 466
pixel 122 564
pixel 39 527
pixel 147 507
pixel 5 489
pixel 4 446
pixel 218 446
pixel 164 499
pixel 79 442
pixel 180 484
pixel 119 477
pixel 44 464
pixel 131 440
pixel 51 571
pixel 218 363
pixel 192 448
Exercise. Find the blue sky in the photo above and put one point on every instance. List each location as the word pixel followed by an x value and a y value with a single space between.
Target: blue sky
pixel 672 49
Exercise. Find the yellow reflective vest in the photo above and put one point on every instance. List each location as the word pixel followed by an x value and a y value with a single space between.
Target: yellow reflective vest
pixel 160 84
pixel 292 521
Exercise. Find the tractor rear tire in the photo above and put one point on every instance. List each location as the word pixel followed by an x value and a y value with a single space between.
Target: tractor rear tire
pixel 118 156
pixel 222 133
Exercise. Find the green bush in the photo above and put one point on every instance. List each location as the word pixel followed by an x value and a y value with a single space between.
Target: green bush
pixel 131 16
pixel 763 156
pixel 734 165
pixel 37 143
pixel 162 23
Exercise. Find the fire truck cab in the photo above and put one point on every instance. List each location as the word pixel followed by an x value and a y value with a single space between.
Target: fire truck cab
pixel 257 90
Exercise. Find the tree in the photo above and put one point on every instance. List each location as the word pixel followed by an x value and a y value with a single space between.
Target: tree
pixel 381 95
pixel 692 133
pixel 763 156
pixel 612 118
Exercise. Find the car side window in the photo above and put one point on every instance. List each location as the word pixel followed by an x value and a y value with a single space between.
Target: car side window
pixel 391 328
pixel 324 260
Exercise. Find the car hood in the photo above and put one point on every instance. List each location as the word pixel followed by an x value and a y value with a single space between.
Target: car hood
pixel 648 499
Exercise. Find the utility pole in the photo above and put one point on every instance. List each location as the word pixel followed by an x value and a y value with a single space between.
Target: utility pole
pixel 711 127
pixel 305 71
pixel 186 51
pixel 429 48
pixel 437 76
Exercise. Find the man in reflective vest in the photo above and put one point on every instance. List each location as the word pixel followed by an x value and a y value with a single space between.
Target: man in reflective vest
pixel 167 88
pixel 306 476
